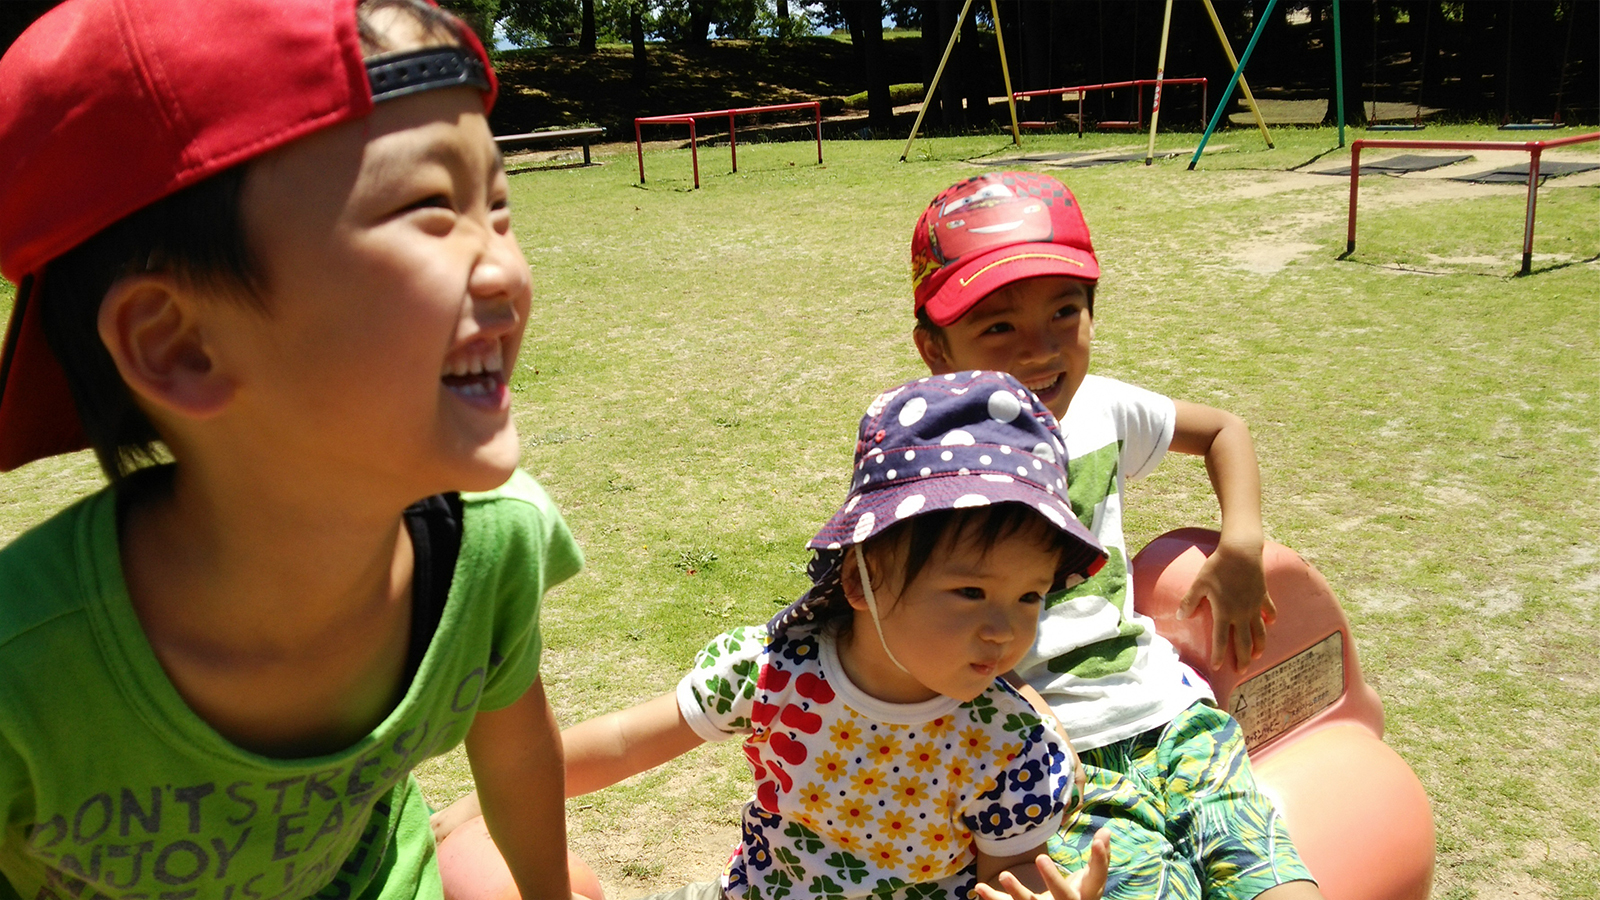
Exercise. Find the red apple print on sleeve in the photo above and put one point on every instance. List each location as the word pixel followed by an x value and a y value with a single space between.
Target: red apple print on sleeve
pixel 799 719
pixel 767 796
pixel 791 750
pixel 762 713
pixel 784 781
pixel 813 688
pixel 773 679
pixel 758 771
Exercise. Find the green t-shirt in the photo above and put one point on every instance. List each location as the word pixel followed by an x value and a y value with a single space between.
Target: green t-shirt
pixel 110 786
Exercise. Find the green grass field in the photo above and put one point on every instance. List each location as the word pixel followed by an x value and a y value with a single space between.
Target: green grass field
pixel 1428 428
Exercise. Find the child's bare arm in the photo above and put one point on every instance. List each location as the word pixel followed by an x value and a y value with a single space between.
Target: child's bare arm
pixel 1034 876
pixel 609 748
pixel 1232 578
pixel 602 752
pixel 1042 707
pixel 516 762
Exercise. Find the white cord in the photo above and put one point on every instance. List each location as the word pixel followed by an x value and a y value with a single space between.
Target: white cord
pixel 872 607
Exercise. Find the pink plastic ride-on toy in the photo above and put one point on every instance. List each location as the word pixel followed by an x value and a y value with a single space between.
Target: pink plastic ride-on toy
pixel 1314 729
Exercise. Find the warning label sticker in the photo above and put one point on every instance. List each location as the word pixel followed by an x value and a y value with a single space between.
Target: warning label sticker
pixel 1291 692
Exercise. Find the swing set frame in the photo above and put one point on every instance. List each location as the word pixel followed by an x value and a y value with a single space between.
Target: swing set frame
pixel 1160 79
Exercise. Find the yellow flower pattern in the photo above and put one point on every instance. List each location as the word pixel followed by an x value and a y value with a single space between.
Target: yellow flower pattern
pixel 847 803
pixel 924 757
pixel 884 853
pixel 814 797
pixel 846 734
pixel 831 766
pixel 882 748
pixel 910 791
pixel 867 781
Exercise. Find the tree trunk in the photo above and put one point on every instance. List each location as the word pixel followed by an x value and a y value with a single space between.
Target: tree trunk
pixel 586 39
pixel 1355 19
pixel 880 106
pixel 699 24
pixel 1033 36
pixel 783 10
pixel 974 66
pixel 938 18
pixel 1483 65
pixel 641 62
pixel 1536 46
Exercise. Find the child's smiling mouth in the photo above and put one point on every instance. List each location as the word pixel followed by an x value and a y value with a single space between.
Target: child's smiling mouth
pixel 1045 390
pixel 477 377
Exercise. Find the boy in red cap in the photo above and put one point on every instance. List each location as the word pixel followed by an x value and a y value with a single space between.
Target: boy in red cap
pixel 1004 273
pixel 266 270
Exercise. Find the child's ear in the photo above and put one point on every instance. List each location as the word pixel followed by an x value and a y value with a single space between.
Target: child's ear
pixel 935 353
pixel 154 332
pixel 850 579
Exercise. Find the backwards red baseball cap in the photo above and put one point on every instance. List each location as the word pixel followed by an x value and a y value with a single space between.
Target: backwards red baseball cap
pixel 986 232
pixel 107 106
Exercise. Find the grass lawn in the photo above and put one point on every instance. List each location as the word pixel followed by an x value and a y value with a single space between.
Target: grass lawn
pixel 1428 428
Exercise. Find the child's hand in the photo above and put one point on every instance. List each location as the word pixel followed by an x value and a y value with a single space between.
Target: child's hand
pixel 1085 884
pixel 451 817
pixel 1233 580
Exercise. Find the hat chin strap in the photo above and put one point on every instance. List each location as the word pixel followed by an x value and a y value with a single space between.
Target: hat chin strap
pixel 872 607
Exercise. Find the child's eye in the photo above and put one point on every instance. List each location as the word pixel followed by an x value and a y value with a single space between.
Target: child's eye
pixel 1068 311
pixel 435 201
pixel 971 593
pixel 998 328
pixel 1032 598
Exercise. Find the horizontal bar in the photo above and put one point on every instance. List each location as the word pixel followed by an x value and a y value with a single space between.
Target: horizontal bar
pixel 1138 82
pixel 1476 145
pixel 724 113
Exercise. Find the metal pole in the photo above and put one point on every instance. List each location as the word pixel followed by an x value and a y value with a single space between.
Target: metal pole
pixel 733 142
pixel 1161 70
pixel 1244 84
pixel 1227 93
pixel 1533 198
pixel 638 144
pixel 1355 175
pixel 694 154
pixel 816 108
pixel 955 35
pixel 1005 71
pixel 1338 69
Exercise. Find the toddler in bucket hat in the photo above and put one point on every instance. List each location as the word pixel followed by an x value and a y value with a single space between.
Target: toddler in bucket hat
pixel 890 759
pixel 945 443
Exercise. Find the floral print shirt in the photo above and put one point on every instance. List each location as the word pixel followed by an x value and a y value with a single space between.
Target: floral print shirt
pixel 858 798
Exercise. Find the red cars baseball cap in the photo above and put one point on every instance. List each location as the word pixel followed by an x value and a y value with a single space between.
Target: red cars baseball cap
pixel 986 232
pixel 107 106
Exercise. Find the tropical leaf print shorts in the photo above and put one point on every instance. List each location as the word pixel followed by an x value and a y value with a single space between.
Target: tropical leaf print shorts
pixel 1187 819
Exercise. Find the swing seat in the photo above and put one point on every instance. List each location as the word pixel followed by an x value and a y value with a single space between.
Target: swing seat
pixel 1312 725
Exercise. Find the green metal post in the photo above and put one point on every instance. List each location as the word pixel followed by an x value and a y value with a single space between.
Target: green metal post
pixel 1338 69
pixel 1227 93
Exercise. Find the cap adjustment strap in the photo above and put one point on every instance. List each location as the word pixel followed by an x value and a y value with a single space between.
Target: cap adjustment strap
pixel 400 74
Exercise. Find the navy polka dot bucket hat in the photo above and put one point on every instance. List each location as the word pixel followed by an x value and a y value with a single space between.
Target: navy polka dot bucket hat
pixel 947 442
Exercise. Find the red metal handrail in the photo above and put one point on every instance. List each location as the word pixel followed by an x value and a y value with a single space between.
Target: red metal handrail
pixel 733 143
pixel 1139 83
pixel 1533 148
